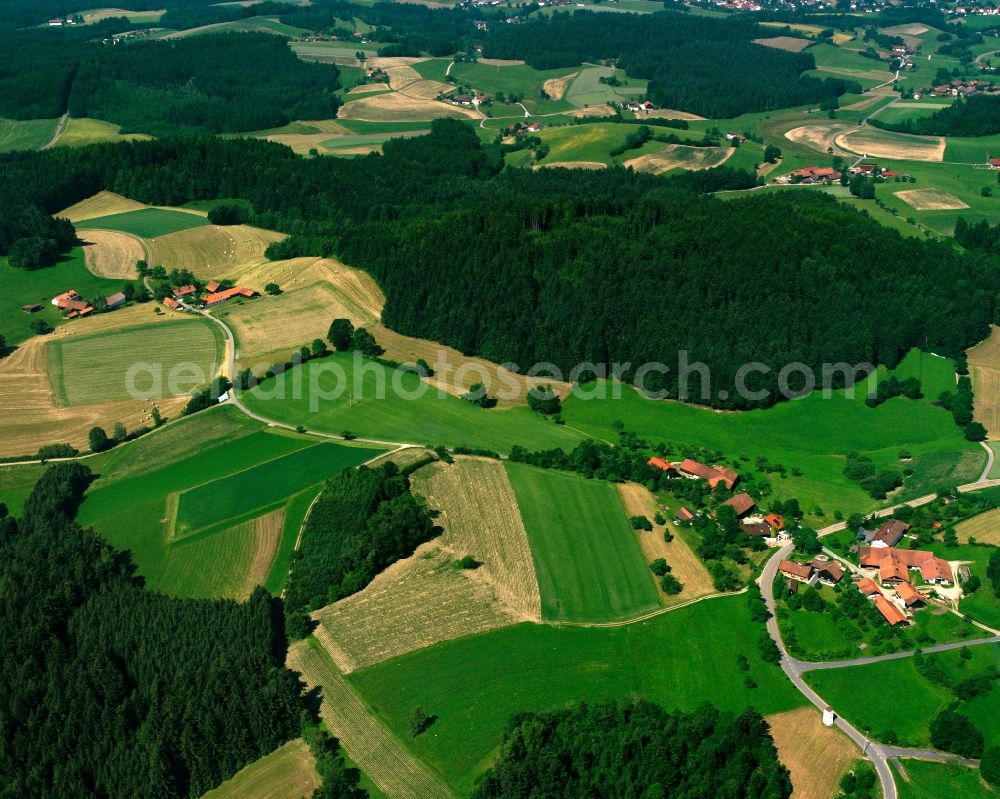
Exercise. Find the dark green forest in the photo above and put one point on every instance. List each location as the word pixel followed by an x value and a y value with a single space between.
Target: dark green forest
pixel 364 521
pixel 978 115
pixel 110 690
pixel 707 66
pixel 636 751
pixel 565 265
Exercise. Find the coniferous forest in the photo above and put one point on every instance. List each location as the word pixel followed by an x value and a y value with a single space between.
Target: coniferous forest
pixel 636 750
pixel 564 265
pixel 110 690
pixel 978 115
pixel 702 65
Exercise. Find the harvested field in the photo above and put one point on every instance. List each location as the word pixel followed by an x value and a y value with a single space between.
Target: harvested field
pixel 679 156
pixel 556 87
pixel 29 417
pixel 573 165
pixel 930 200
pixel 817 756
pixel 138 17
pixel 819 137
pixel 875 143
pixel 289 772
pixel 211 251
pixel 501 62
pixel 672 113
pixel 396 107
pixel 455 373
pixel 91 369
pixel 417 602
pixel 984 366
pixel 402 76
pixel 910 29
pixel 368 88
pixel 685 565
pixel 590 111
pixel 104 203
pixel 985 528
pixel 788 43
pixel 108 253
pixel 289 320
pixel 368 742
pixel 266 538
pixel 872 99
pixel 481 518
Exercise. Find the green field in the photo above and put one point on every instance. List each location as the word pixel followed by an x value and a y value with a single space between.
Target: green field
pixel 263 485
pixel 28 134
pixel 430 419
pixel 473 685
pixel 812 434
pixel 519 79
pixel 147 223
pixel 29 286
pixel 858 694
pixel 972 149
pixel 128 505
pixel 594 141
pixel 929 780
pixel 849 64
pixel 586 88
pixel 588 563
pixel 81 132
pixel 16 483
pixel 115 364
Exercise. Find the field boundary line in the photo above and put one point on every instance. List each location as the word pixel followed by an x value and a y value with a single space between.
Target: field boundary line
pixel 645 616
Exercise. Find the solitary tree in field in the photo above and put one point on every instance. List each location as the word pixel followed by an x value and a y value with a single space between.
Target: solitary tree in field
pixel 40 326
pixel 120 433
pixel 341 334
pixel 99 440
pixel 273 289
pixel 318 348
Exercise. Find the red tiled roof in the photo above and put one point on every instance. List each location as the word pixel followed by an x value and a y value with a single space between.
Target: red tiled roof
pixel 115 299
pixel 212 285
pixel 936 569
pixel 183 291
pixel 908 594
pixel 892 569
pixel 660 463
pixel 684 514
pixel 66 297
pixel 833 569
pixel 775 520
pixel 170 302
pixel 868 587
pixel 892 614
pixel 698 469
pixel 893 563
pixel 742 503
pixel 891 532
pixel 222 296
pixel 800 570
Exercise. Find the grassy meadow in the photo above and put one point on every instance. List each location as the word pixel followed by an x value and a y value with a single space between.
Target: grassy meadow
pixel 26 134
pixel 130 504
pixel 473 685
pixel 519 79
pixel 147 223
pixel 345 400
pixel 929 780
pixel 81 132
pixel 97 368
pixel 29 286
pixel 589 565
pixel 858 694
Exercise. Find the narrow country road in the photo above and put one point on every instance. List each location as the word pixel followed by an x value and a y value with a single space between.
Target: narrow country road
pixel 878 754
pixel 990 457
pixel 60 127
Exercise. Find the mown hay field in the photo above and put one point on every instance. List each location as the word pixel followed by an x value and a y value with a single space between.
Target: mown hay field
pixel 480 516
pixel 817 756
pixel 147 223
pixel 111 254
pixel 685 565
pixel 376 750
pixel 819 137
pixel 931 200
pixel 417 602
pixel 926 779
pixel 104 203
pixel 678 156
pixel 289 772
pixel 262 485
pixel 790 44
pixel 875 143
pixel 135 362
pixel 984 367
pixel 396 107
pixel 985 528
pixel 211 251
pixel 588 563
pixel 290 320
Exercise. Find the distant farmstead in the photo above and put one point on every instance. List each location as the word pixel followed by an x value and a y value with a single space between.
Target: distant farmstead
pixel 221 296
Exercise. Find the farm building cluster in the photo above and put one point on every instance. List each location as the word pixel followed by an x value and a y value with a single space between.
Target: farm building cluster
pixel 74 306
pixel 959 88
pixel 212 294
pixel 886 575
pixel 826 175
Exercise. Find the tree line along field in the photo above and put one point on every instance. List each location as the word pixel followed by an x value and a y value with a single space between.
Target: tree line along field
pixel 858 694
pixel 96 368
pixel 129 504
pixel 589 565
pixel 473 685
